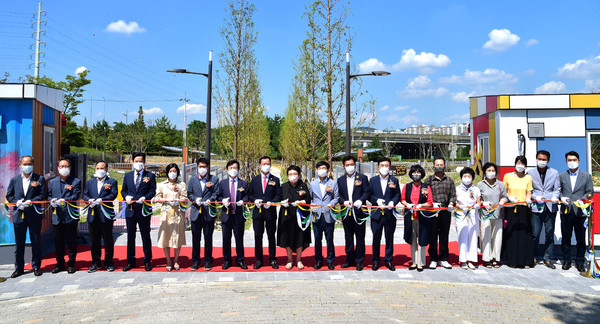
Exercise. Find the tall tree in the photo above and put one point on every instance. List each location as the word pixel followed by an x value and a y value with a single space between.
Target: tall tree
pixel 139 135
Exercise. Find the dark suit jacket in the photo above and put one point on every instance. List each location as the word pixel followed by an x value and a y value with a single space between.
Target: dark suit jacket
pixel 15 193
pixel 390 194
pixel 271 194
pixel 146 189
pixel 107 195
pixel 194 189
pixel 61 213
pixel 361 192
pixel 241 194
pixel 583 186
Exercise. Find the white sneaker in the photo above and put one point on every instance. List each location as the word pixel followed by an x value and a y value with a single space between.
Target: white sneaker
pixel 446 265
pixel 433 265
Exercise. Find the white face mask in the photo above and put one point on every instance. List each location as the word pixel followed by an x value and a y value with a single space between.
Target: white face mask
pixel 172 175
pixel 573 165
pixel 64 172
pixel 490 175
pixel 467 181
pixel 350 169
pixel 293 178
pixel 27 168
pixel 384 171
pixel 520 168
pixel 322 173
pixel 232 173
pixel 100 173
pixel 542 164
pixel 265 168
pixel 202 171
pixel 138 166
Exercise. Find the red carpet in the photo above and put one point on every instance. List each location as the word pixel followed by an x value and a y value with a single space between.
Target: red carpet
pixel 84 259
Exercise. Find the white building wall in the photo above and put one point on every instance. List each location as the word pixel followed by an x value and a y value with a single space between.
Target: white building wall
pixel 507 123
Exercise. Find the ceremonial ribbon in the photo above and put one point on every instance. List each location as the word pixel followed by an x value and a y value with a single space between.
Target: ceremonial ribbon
pixel 339 213
pixel 303 221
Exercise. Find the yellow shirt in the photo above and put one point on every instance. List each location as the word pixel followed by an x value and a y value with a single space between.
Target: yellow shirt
pixel 516 186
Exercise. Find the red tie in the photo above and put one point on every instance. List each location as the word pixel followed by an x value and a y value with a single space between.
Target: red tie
pixel 264 183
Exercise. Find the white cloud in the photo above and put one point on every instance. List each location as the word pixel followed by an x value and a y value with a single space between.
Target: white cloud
pixel 529 72
pixel 80 70
pixel 423 61
pixel 192 109
pixel 458 117
pixel 581 69
pixel 122 27
pixel 99 114
pixel 479 77
pixel 532 42
pixel 462 96
pixel 371 64
pixel 551 87
pixel 404 119
pixel 422 81
pixel 414 111
pixel 421 86
pixel 401 108
pixel 501 40
pixel 153 111
pixel 384 108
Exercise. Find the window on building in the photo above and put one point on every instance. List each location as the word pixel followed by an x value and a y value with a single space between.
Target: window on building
pixel 49 150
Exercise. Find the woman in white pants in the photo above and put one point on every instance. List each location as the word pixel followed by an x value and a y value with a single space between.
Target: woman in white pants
pixel 493 197
pixel 468 199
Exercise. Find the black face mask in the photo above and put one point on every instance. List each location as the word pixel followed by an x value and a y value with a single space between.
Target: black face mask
pixel 416 177
pixel 439 169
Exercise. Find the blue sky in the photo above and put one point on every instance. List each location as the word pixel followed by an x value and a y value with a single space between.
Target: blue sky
pixel 439 52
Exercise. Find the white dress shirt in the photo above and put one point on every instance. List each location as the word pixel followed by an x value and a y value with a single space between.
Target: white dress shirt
pixel 384 182
pixel 100 184
pixel 573 179
pixel 350 185
pixel 323 186
pixel 26 182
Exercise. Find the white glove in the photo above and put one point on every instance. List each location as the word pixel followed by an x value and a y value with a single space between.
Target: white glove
pixel 357 203
pixel 564 199
pixel 226 202
pixel 240 203
pixel 152 201
pixel 329 205
pixel 476 206
pixel 400 205
pixel 528 200
pixel 173 203
pixel 418 206
pixel 295 203
pixel 450 207
pixel 19 203
pixel 486 204
pixel 347 203
pixel 54 202
pixel 198 201
pixel 205 203
pixel 267 205
pixel 128 199
pixel 28 202
pixel 410 206
pixel 380 202
pixel 436 205
pixel 391 204
pixel 141 200
pixel 501 202
pixel 555 200
pixel 62 201
pixel 285 203
pixel 98 201
pixel 257 202
pixel 512 198
pixel 539 199
pixel 463 207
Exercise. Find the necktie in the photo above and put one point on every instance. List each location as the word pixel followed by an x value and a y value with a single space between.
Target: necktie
pixel 137 180
pixel 264 183
pixel 232 196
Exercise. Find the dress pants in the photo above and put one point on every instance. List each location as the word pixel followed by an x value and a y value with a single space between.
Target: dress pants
pixel 319 227
pixel 102 231
pixel 547 219
pixel 65 232
pixel 569 223
pixel 386 222
pixel 491 239
pixel 440 228
pixel 236 225
pixel 259 227
pixel 35 227
pixel 144 223
pixel 352 229
pixel 417 252
pixel 467 228
pixel 208 227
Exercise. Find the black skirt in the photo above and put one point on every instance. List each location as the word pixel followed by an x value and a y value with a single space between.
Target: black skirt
pixel 289 234
pixel 518 243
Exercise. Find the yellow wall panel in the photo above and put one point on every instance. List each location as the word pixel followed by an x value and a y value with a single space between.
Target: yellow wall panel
pixel 585 101
pixel 473 102
pixel 503 102
pixel 492 134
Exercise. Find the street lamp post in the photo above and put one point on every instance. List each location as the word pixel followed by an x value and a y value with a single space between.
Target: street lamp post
pixel 348 78
pixel 185 101
pixel 208 100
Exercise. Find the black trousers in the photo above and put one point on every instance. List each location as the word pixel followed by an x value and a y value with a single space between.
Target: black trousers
pixel 386 222
pixel 144 223
pixel 233 225
pixel 351 230
pixel 102 231
pixel 319 227
pixel 440 228
pixel 569 223
pixel 208 227
pixel 65 233
pixel 259 226
pixel 35 227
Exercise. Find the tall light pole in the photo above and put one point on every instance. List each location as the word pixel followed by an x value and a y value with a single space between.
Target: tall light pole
pixel 104 128
pixel 348 78
pixel 208 100
pixel 185 101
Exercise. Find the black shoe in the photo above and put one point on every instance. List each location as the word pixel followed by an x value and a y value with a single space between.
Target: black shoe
pixel 550 265
pixel 420 269
pixel 226 265
pixel 148 266
pixel 359 267
pixel 330 265
pixel 390 266
pixel 258 265
pixel 110 268
pixel 207 266
pixel 580 267
pixel 58 269
pixel 71 270
pixel 318 265
pixel 347 265
pixel 375 266
pixel 243 265
pixel 129 266
pixel 274 264
pixel 93 268
pixel 195 266
pixel 37 272
pixel 16 274
pixel 566 266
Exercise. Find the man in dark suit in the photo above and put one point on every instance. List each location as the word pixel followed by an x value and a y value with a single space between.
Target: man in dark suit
pixel 233 192
pixel 575 184
pixel 385 192
pixel 101 190
pixel 354 191
pixel 61 190
pixel 202 189
pixel 22 190
pixel 264 189
pixel 139 185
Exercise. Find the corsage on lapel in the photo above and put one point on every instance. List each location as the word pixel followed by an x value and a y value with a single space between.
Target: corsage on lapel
pixel 240 189
pixel 302 193
pixel 107 186
pixel 392 185
pixel 146 179
pixel 209 184
pixel 176 187
pixel 424 191
pixel 271 183
pixel 68 187
pixel 328 189
pixel 35 183
pixel 357 182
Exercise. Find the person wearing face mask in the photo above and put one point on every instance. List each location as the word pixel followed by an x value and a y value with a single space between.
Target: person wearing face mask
pixel 171 232
pixel 385 192
pixel 324 191
pixel 101 189
pixel 264 189
pixel 493 192
pixel 518 248
pixel 202 189
pixel 444 195
pixel 289 234
pixel 546 186
pixel 61 190
pixel 139 185
pixel 354 192
pixel 22 189
pixel 233 192
pixel 468 198
pixel 575 184
pixel 417 229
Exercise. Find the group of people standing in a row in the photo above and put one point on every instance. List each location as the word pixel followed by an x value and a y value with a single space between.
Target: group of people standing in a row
pixel 509 234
